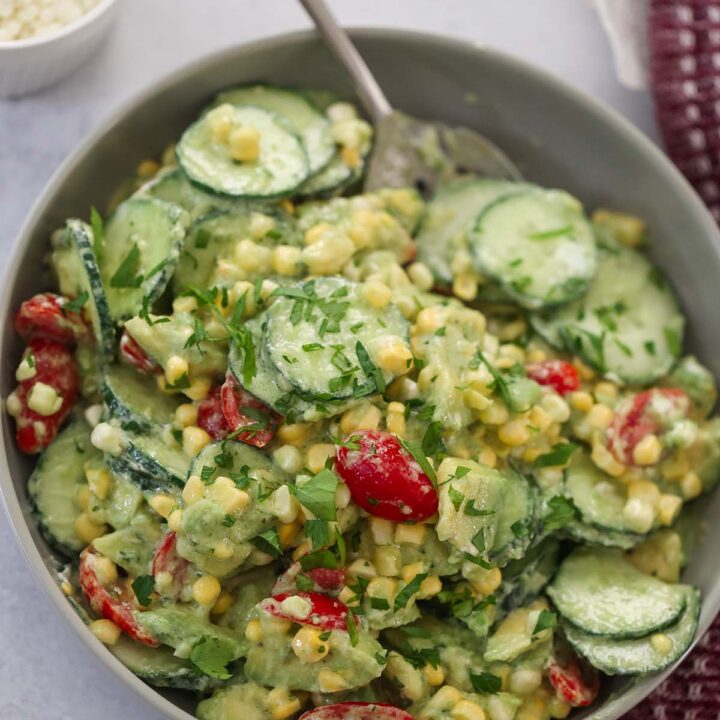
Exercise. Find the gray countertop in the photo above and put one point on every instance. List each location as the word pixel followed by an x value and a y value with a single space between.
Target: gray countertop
pixel 45 671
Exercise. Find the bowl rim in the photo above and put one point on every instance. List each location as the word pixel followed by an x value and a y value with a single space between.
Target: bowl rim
pixel 75 25
pixel 614 707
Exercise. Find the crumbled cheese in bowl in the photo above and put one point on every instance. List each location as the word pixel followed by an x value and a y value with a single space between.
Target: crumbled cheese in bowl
pixel 23 19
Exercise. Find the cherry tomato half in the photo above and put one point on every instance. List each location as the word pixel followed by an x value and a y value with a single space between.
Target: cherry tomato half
pixel 243 410
pixel 560 375
pixel 167 560
pixel 54 366
pixel 575 683
pixel 649 412
pixel 45 316
pixel 356 711
pixel 210 415
pixel 325 580
pixel 325 612
pixel 113 603
pixel 384 479
pixel 133 354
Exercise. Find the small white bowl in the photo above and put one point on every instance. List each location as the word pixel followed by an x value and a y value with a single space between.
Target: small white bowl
pixel 33 63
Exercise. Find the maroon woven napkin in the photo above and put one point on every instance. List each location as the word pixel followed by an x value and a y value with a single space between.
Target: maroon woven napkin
pixel 684 40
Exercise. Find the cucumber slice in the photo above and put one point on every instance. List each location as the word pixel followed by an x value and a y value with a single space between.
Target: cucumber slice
pixel 538 245
pixel 301 114
pixel 525 578
pixel 332 180
pixel 640 657
pixel 593 535
pixel 516 520
pixel 75 263
pixel 280 168
pixel 133 398
pixel 628 325
pixel 215 236
pixel 313 333
pixel 55 482
pixel 601 593
pixel 132 547
pixel 159 666
pixel 141 245
pixel 449 218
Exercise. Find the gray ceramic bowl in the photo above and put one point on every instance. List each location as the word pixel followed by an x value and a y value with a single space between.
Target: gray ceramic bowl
pixel 556 135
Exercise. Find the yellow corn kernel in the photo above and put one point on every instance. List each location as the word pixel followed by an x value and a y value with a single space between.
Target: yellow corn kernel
pixel 476 400
pixel 162 504
pixel 301 550
pixel 194 490
pixel 429 320
pixel 447 697
pixel 317 455
pixel 174 520
pixel 465 286
pixel 434 675
pixel 394 357
pixel 106 631
pixel 295 434
pixel 99 481
pixel 408 679
pixel 220 122
pixel 487 457
pixel 286 260
pixel 227 495
pixel 289 458
pixel 647 451
pixel 184 304
pixel 387 560
pixel 253 631
pixel 329 254
pixel 350 156
pixel 496 414
pixel 395 422
pixel 639 514
pixel 223 550
pixel 194 439
pixel 106 570
pixel 186 415
pixel 488 583
pixel 361 568
pixel 87 530
pixel 536 355
pixel 313 234
pixel 429 587
pixel 282 704
pixel 524 682
pixel 644 490
pixel 288 533
pixel 691 485
pixel 377 294
pixel 514 433
pixel 559 709
pixel 599 417
pixel 411 570
pixel 382 587
pixel 604 459
pixel 585 371
pixel 330 681
pixel 363 228
pixel 381 530
pixel 513 330
pixel 605 392
pixel 176 367
pixel 199 388
pixel 307 645
pixel 222 604
pixel 147 168
pixel 44 399
pixel 661 643
pixel 206 590
pixel 244 143
pixel 411 534
pixel 581 401
pixel 628 229
pixel 540 418
pixel 466 710
pixel 362 417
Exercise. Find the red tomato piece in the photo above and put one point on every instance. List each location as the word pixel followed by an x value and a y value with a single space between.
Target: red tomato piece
pixel 134 355
pixel 210 415
pixel 356 711
pixel 54 366
pixel 325 612
pixel 113 603
pixel 44 316
pixel 575 683
pixel 560 375
pixel 649 412
pixel 325 580
pixel 384 479
pixel 241 409
pixel 166 559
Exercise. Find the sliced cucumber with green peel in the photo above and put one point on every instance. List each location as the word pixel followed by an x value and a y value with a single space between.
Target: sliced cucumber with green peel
pixel 322 336
pixel 641 656
pixel 449 218
pixel 76 266
pixel 594 535
pixel 301 114
pixel 600 592
pixel 141 244
pixel 132 547
pixel 55 482
pixel 214 236
pixel 133 398
pixel 516 520
pixel 628 326
pixel 538 244
pixel 280 168
pixel 525 578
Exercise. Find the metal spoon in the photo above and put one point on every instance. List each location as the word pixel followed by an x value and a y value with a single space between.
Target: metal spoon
pixel 408 151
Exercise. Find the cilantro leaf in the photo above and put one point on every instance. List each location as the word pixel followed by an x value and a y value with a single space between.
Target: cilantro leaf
pixel 431 441
pixel 562 511
pixel 402 598
pixel 76 304
pixel 210 656
pixel 486 683
pixel 558 455
pixel 143 587
pixel 268 542
pixel 371 370
pixel 545 620
pixel 304 583
pixel 420 458
pixel 352 628
pixel 318 494
pixel 318 531
pixel 127 274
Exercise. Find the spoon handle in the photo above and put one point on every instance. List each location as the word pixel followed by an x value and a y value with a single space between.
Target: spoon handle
pixel 371 96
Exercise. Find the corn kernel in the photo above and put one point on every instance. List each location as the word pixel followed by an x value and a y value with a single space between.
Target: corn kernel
pixel 411 534
pixel 476 400
pixel 421 276
pixel 286 260
pixel 429 320
pixel 605 392
pixel 556 407
pixel 429 587
pixel 184 304
pixel 106 570
pixel 585 371
pixel 362 417
pixel 434 675
pixel 223 550
pixel 559 709
pixel 394 357
pixel 174 520
pixel 227 495
pixel 395 423
pixel 106 631
pixel 162 504
pixel 514 433
pixel 387 560
pixel 283 505
pixel 377 294
pixel 220 122
pixel 289 458
pixel 295 434
pixel 87 530
pixel 206 590
pixel 350 156
pixel 281 704
pixel 330 681
pixel 175 368
pixel 661 643
pixel 194 490
pixel 244 143
pixel 411 570
pixel 382 587
pixel 639 515
pixel 329 254
pixel 488 583
pixel 513 330
pixel 194 439
pixel 83 497
pixel 599 417
pixel 199 388
pixel 301 550
pixel 99 481
pixel 466 710
pixel 691 485
pixel 524 682
pixel 222 604
pixel 307 645
pixel 446 697
pixel 535 355
pixel 647 451
pixel 186 415
pixel 605 460
pixel 253 631
pixel 496 414
pixel 317 455
pixel 465 286
pixel 288 533
pixel 487 457
pixel 540 418
pixel 342 496
pixel 628 229
pixel 147 168
pixel 44 399
pixel 581 401
pixel 381 530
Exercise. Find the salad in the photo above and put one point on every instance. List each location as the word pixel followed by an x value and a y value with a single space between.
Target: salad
pixel 316 451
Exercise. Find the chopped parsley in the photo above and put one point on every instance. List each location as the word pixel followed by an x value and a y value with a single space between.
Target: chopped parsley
pixel 318 494
pixel 211 656
pixel 143 587
pixel 558 455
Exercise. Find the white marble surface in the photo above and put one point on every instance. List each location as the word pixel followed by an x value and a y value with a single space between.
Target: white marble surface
pixel 45 672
